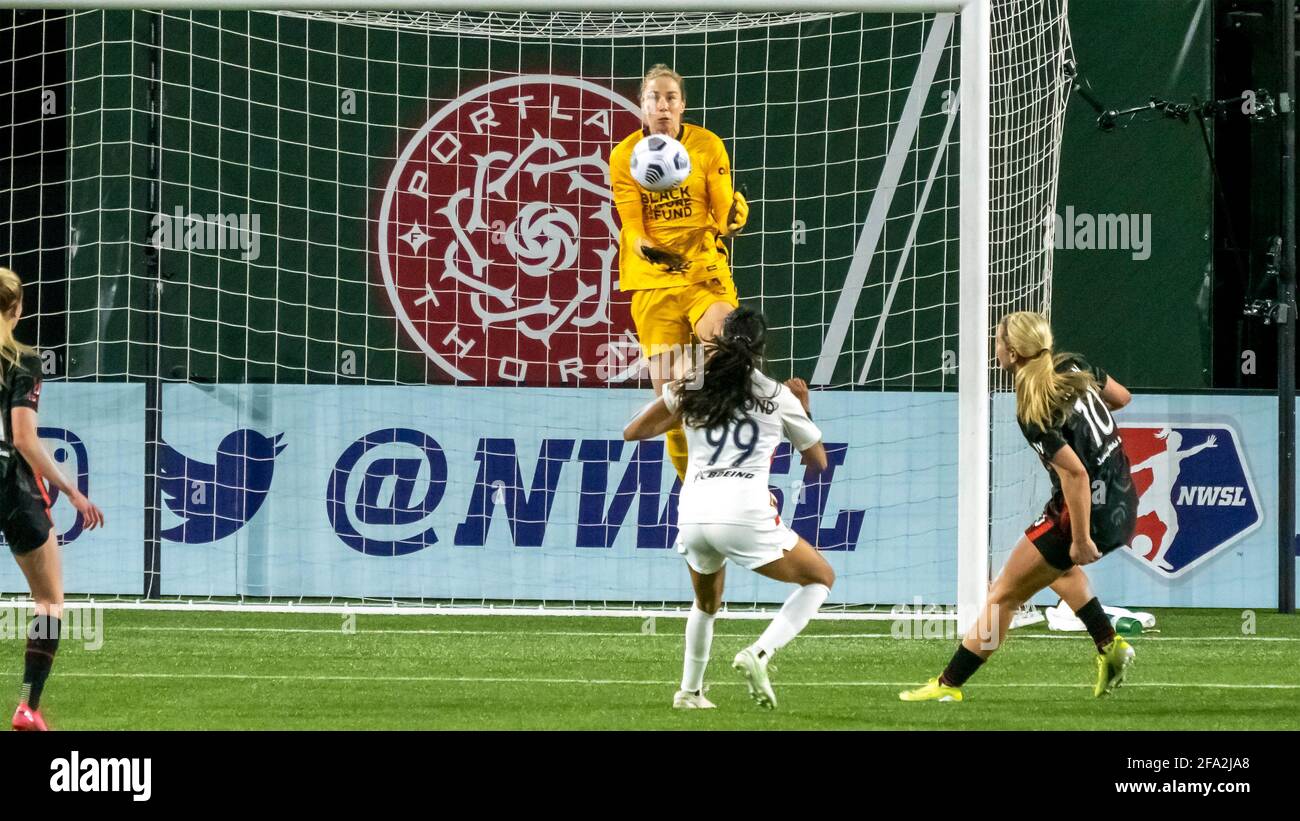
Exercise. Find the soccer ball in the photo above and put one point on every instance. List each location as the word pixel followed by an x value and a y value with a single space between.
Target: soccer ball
pixel 660 163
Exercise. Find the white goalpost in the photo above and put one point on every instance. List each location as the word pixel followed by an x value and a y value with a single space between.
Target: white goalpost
pixel 337 324
pixel 973 425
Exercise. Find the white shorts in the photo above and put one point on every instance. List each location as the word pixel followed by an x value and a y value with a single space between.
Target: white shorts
pixel 707 547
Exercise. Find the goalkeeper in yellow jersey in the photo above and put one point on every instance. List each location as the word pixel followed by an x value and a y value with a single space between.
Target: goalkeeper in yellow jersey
pixel 671 254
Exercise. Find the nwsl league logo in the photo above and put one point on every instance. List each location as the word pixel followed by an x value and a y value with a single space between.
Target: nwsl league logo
pixel 1195 494
pixel 498 242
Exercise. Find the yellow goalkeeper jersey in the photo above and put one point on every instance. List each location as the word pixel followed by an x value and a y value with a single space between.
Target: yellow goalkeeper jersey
pixel 687 219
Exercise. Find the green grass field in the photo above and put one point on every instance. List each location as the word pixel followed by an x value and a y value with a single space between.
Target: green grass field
pixel 173 670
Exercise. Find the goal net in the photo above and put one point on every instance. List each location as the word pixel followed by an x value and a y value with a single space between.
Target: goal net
pixel 332 310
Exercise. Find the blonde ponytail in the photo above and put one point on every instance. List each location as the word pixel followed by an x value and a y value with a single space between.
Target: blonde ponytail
pixel 11 350
pixel 1043 396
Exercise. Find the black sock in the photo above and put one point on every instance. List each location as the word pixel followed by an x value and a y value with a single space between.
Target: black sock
pixel 1095 619
pixel 42 644
pixel 963 665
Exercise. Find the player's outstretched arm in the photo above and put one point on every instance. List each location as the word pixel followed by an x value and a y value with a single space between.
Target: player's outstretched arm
pixel 654 420
pixel 729 206
pixel 1115 395
pixel 800 430
pixel 28 443
pixel 1148 462
pixel 815 457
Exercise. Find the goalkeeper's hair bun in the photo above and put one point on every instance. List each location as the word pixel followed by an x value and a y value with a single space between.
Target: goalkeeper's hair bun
pixel 746 327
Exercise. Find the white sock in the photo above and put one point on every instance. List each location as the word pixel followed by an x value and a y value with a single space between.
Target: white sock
pixel 699 639
pixel 802 605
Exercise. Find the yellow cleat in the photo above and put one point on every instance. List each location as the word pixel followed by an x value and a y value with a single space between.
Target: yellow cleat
pixel 932 690
pixel 1112 666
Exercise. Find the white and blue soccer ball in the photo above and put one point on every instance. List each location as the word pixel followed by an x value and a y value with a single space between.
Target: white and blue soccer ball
pixel 660 163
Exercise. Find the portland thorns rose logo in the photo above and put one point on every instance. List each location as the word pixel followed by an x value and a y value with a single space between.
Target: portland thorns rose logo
pixel 497 237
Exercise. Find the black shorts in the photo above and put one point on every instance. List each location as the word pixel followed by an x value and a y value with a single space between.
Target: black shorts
pixel 25 516
pixel 1112 527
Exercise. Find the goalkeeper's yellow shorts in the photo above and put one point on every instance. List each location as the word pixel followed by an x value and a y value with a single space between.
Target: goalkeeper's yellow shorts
pixel 666 317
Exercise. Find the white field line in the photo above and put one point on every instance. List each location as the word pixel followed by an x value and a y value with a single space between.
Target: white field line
pixel 631 633
pixel 679 612
pixel 633 682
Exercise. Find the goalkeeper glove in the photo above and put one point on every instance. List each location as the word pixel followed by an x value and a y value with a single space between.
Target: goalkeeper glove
pixel 671 260
pixel 738 215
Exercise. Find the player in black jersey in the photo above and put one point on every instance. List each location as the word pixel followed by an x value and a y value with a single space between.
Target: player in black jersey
pixel 25 502
pixel 1064 409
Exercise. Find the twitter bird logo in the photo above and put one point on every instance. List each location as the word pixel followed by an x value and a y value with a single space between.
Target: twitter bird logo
pixel 215 500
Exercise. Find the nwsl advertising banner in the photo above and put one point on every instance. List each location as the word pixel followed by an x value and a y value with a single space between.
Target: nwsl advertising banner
pixel 441 492
pixel 497 493
pixel 95 432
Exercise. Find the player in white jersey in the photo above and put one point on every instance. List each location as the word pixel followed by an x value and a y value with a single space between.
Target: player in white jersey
pixel 735 416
